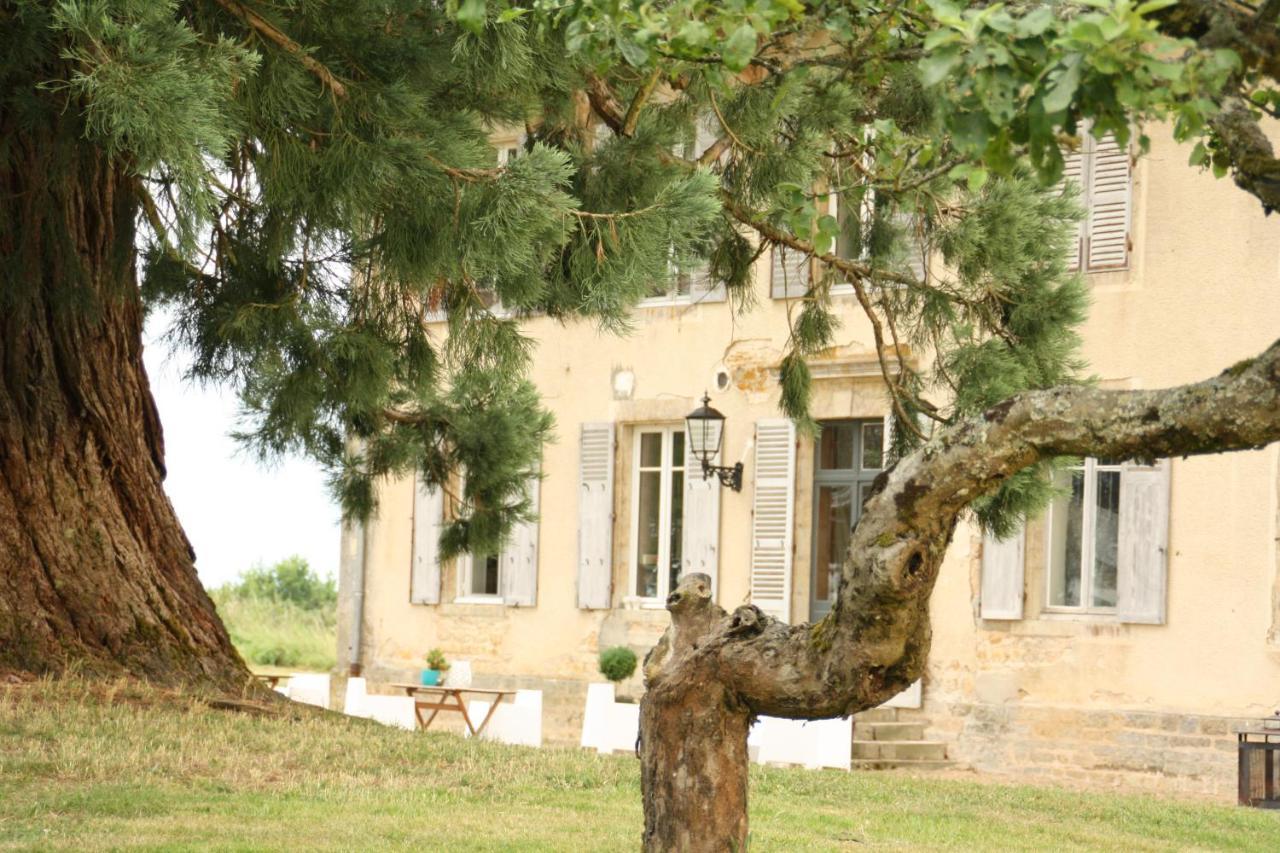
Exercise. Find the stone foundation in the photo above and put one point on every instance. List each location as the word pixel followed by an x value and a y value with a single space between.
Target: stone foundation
pixel 1125 750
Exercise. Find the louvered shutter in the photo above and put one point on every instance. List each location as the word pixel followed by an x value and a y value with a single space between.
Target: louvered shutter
pixel 424 571
pixel 886 458
pixel 1002 575
pixel 595 515
pixel 790 276
pixel 1109 206
pixel 1073 173
pixel 701 525
pixel 773 516
pixel 520 558
pixel 1142 550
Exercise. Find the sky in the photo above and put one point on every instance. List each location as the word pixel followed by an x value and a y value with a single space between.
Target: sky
pixel 236 511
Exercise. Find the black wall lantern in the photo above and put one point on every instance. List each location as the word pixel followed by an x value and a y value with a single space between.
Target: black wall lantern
pixel 706 431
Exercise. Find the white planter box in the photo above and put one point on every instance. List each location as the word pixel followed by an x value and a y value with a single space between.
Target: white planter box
pixel 518 722
pixel 609 725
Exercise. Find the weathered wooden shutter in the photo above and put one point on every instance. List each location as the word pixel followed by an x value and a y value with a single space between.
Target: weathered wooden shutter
pixel 424 571
pixel 1142 550
pixel 701 524
pixel 886 458
pixel 773 516
pixel 595 515
pixel 520 558
pixel 1002 575
pixel 1073 173
pixel 1109 206
pixel 790 277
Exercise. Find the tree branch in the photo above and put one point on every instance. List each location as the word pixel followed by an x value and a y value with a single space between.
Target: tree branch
pixel 266 29
pixel 876 640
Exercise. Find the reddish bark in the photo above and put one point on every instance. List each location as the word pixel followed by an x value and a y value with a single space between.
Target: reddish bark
pixel 95 571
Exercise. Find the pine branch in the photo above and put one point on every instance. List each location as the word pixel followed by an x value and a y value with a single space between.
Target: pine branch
pixel 637 103
pixel 271 33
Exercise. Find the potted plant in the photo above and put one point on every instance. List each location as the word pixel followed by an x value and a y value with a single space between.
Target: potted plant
pixel 437 666
pixel 617 664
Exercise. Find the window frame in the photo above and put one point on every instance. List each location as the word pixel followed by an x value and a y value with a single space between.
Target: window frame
pixel 466 576
pixel 666 470
pixel 857 479
pixel 1088 550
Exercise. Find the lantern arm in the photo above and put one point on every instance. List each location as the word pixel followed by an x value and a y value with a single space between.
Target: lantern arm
pixel 729 475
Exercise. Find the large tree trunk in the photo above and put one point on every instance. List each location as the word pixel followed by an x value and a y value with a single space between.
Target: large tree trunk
pixel 95 571
pixel 713 671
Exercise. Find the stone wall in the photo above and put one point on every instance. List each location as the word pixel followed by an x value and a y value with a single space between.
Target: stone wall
pixel 1125 750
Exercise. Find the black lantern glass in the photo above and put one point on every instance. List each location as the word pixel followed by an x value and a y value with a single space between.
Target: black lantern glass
pixel 706 431
pixel 705 427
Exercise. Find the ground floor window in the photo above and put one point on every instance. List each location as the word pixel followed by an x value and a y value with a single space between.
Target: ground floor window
pixel 657 512
pixel 1084 537
pixel 484 575
pixel 847 457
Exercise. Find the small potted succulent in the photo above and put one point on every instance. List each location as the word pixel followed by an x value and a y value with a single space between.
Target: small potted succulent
pixel 437 666
pixel 617 664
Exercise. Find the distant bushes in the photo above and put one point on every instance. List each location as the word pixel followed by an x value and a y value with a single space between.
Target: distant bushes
pixel 283 615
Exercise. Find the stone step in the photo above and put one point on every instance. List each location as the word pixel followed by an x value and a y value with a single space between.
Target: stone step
pixel 905 750
pixel 883 764
pixel 891 731
pixel 876 715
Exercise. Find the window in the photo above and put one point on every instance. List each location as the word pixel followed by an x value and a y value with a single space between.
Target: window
pixel 847 458
pixel 657 516
pixel 1085 537
pixel 482 576
pixel 1102 171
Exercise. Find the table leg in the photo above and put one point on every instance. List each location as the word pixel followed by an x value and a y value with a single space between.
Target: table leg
pixel 462 707
pixel 487 717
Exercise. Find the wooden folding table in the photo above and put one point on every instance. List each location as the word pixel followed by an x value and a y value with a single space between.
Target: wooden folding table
pixel 437 698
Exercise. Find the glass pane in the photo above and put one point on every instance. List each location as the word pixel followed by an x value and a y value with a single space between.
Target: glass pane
pixel 1106 538
pixel 484 575
pixel 677 449
pixel 650 449
pixel 677 529
pixel 702 434
pixel 873 446
pixel 849 240
pixel 835 447
pixel 647 535
pixel 1067 541
pixel 835 520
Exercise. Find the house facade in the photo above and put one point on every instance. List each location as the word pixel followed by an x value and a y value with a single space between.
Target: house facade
pixel 1115 640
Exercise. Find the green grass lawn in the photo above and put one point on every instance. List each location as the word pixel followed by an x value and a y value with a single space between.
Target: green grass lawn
pixel 107 766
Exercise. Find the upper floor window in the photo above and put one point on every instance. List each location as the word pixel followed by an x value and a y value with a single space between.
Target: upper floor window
pixel 1102 171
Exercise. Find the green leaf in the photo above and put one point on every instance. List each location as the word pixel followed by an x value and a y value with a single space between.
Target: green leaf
pixel 1154 6
pixel 977 178
pixel 740 48
pixel 471 15
pixel 635 54
pixel 1034 22
pixel 1059 96
pixel 935 67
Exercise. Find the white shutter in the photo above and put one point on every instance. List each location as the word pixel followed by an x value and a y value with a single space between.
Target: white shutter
pixel 520 558
pixel 701 525
pixel 1109 207
pixel 790 277
pixel 1073 173
pixel 1142 551
pixel 886 458
pixel 773 516
pixel 1002 575
pixel 424 572
pixel 595 515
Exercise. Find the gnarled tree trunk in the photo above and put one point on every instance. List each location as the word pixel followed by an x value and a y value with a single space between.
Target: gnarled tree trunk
pixel 713 671
pixel 95 571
